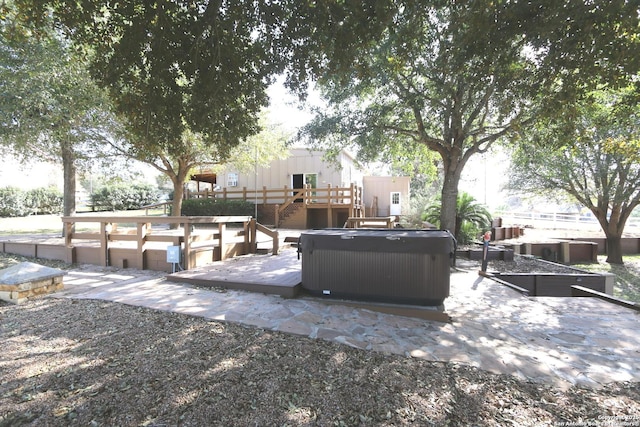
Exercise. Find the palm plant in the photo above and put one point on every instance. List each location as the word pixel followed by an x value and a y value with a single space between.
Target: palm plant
pixel 471 217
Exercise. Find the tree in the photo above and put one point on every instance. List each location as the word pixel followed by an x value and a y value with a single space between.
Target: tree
pixel 50 109
pixel 457 77
pixel 187 79
pixel 260 149
pixel 593 157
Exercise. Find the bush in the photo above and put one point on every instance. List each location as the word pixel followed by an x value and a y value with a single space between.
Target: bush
pixel 13 202
pixel 124 197
pixel 213 207
pixel 472 218
pixel 45 200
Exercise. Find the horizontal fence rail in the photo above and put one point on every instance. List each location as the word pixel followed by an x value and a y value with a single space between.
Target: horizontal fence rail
pixel 328 197
pixel 351 195
pixel 559 220
pixel 191 233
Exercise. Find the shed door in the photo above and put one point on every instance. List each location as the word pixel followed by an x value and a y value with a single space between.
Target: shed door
pixel 394 207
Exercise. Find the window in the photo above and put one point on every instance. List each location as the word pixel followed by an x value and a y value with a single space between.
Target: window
pixel 232 180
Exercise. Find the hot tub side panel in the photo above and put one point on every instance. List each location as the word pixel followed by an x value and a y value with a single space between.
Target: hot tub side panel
pixel 407 278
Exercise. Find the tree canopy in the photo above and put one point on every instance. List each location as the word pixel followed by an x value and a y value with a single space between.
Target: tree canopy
pixel 593 156
pixel 187 79
pixel 452 76
pixel 458 76
pixel 50 109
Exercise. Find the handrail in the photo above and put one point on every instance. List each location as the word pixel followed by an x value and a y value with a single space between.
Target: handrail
pixel 164 205
pixel 298 195
pixel 351 195
pixel 271 233
pixel 143 233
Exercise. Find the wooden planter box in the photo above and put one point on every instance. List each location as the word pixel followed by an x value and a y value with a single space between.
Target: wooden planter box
pixel 556 285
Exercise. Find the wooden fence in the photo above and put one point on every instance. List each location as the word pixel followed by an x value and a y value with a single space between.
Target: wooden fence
pixel 142 241
pixel 351 195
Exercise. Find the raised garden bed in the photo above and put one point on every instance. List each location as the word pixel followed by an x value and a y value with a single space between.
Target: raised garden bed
pixel 495 253
pixel 538 277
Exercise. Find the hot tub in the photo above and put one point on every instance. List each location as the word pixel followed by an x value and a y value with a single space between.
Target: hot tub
pixel 395 266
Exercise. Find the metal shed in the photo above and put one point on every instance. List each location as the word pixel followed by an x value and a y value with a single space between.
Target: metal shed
pixel 395 266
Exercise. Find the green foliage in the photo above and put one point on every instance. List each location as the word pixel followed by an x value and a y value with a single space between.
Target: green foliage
pixel 458 76
pixel 45 200
pixel 471 220
pixel 590 155
pixel 187 80
pixel 15 202
pixel 213 207
pixel 50 108
pixel 257 150
pixel 123 197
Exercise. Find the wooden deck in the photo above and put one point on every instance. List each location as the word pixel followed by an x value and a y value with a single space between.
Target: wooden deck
pixel 282 275
pixel 279 275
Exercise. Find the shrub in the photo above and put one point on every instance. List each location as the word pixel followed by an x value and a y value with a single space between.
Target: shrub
pixel 472 218
pixel 213 207
pixel 45 200
pixel 124 197
pixel 13 202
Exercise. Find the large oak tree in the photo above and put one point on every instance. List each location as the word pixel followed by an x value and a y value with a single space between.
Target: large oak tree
pixel 187 78
pixel 50 108
pixel 457 77
pixel 591 155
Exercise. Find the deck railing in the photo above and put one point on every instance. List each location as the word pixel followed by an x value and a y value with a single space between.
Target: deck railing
pixel 181 231
pixel 328 195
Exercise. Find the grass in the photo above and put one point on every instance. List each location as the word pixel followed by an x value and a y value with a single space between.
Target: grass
pixel 627 284
pixel 52 224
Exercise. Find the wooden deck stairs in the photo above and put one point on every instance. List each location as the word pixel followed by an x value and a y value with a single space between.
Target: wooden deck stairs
pixel 293 216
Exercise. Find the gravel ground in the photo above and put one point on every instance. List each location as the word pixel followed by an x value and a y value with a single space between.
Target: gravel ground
pixel 93 363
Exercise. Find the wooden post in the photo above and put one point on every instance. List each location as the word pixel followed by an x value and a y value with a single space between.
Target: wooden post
pixel 189 261
pixel 565 252
pixel 68 242
pixel 105 229
pixel 221 229
pixel 276 216
pixel 351 202
pixel 276 244
pixel 246 226
pixel 264 194
pixel 142 229
pixel 244 193
pixel 253 236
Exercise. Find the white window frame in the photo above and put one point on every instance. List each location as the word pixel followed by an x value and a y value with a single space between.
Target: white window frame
pixel 232 179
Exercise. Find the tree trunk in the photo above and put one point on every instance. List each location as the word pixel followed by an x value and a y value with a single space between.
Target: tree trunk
pixel 450 195
pixel 69 180
pixel 613 228
pixel 178 194
pixel 614 248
